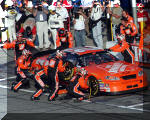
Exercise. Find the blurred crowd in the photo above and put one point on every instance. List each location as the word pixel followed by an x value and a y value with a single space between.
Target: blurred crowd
pixel 45 22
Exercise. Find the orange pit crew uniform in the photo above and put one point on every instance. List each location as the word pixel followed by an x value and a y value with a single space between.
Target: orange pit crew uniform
pixel 125 50
pixel 19 46
pixel 75 84
pixel 42 80
pixel 23 68
pixel 130 31
pixel 55 66
pixel 64 42
pixel 130 19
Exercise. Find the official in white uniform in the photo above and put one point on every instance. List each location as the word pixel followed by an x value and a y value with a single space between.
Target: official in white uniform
pixel 96 15
pixel 10 18
pixel 55 22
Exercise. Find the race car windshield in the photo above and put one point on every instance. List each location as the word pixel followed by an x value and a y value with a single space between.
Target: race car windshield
pixel 97 58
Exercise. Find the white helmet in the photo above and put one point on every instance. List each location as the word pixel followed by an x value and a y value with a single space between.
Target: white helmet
pixel 26 52
pixel 30 4
pixel 83 71
pixel 52 8
pixel 1 1
pixel 9 3
pixel 116 2
pixel 121 37
pixel 59 53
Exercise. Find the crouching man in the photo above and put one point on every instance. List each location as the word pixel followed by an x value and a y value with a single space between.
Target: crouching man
pixel 75 85
pixel 23 67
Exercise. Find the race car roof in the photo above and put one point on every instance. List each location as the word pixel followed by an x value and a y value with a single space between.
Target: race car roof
pixel 83 50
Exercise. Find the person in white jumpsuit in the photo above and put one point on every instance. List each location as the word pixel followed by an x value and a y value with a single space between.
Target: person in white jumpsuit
pixel 11 24
pixel 55 22
pixel 2 16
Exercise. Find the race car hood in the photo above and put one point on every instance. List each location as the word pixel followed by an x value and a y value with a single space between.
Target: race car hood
pixel 113 68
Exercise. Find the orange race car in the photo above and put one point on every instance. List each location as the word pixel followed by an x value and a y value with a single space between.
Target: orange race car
pixel 106 73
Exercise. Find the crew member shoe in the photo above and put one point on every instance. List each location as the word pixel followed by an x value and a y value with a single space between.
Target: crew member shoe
pixel 12 87
pixel 34 98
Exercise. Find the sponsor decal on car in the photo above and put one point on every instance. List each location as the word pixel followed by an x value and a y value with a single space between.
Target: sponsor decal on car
pixel 123 68
pixel 102 86
pixel 115 68
pixel 107 89
pixel 108 66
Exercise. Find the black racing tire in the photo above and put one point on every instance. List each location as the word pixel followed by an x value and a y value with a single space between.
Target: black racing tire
pixel 93 85
pixel 68 73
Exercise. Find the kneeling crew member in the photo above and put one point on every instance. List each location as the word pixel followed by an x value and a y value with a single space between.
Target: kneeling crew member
pixel 124 48
pixel 74 85
pixel 64 39
pixel 23 68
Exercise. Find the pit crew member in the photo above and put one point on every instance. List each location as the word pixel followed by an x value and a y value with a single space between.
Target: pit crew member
pixel 19 45
pixel 126 15
pixel 41 79
pixel 23 67
pixel 55 66
pixel 124 48
pixel 74 84
pixel 64 39
pixel 129 30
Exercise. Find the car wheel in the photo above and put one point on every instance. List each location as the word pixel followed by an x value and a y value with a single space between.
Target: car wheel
pixel 69 71
pixel 93 85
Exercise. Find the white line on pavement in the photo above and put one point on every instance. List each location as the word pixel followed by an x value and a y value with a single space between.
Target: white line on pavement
pixel 132 107
pixel 141 104
pixel 5 87
pixel 3 79
pixel 24 90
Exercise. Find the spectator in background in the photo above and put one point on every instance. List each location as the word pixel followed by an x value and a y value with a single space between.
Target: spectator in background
pixel 62 11
pixel 79 28
pixel 55 22
pixel 40 15
pixel 76 4
pixel 11 17
pixel 96 14
pixel 29 29
pixel 116 14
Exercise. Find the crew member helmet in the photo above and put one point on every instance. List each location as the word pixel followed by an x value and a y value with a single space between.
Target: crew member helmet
pixel 61 32
pixel 26 52
pixel 121 37
pixel 59 53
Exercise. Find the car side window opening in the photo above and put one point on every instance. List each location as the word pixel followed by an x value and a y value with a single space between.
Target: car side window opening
pixel 98 58
pixel 107 57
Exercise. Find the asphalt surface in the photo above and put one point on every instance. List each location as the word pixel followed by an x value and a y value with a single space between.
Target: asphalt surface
pixel 135 106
